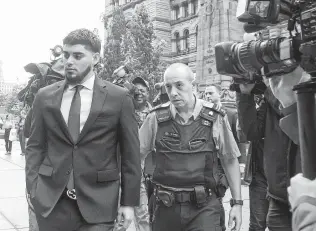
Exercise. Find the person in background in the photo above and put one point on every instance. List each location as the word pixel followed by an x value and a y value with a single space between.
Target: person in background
pixel 141 96
pixel 162 96
pixel 142 109
pixel 20 131
pixel 7 126
pixel 120 76
pixel 281 158
pixel 255 177
pixel 302 191
pixel 213 94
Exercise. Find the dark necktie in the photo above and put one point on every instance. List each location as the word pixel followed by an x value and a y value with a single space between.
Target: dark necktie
pixel 74 125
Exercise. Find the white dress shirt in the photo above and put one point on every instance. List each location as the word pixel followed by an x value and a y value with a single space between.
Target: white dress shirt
pixel 86 95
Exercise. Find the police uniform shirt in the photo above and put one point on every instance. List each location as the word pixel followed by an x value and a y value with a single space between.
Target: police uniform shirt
pixel 222 135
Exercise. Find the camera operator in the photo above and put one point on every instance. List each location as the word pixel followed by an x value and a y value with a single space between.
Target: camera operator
pixel 280 155
pixel 254 176
pixel 282 88
pixel 120 76
pixel 302 191
pixel 162 96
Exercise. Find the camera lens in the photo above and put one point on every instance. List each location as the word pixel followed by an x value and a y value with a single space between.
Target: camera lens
pixel 237 59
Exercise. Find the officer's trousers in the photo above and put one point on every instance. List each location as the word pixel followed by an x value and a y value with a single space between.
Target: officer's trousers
pixel 187 216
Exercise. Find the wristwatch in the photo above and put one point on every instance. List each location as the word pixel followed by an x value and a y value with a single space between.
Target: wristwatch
pixel 236 202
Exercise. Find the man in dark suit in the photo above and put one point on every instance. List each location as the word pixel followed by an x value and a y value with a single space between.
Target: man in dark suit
pixel 72 172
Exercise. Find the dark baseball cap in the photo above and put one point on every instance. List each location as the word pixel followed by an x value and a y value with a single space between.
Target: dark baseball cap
pixel 140 81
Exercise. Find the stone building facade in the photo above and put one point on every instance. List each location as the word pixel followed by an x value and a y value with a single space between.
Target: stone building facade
pixel 191 29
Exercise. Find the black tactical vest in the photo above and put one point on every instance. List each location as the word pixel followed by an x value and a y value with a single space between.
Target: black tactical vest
pixel 185 154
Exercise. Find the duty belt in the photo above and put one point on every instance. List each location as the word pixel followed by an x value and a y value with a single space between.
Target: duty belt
pixel 168 195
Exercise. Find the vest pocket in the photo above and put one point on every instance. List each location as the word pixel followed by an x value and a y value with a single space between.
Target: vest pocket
pixel 196 143
pixel 170 143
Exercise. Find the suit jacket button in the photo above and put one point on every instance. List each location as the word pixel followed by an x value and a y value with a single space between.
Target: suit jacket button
pixel 68 172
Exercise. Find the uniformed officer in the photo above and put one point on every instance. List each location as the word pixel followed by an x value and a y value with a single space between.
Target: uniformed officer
pixel 189 134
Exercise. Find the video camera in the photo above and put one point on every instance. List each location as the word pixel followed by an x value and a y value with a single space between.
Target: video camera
pixel 269 54
pixel 273 54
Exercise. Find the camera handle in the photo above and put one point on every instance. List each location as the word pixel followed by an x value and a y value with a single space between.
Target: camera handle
pixel 306 108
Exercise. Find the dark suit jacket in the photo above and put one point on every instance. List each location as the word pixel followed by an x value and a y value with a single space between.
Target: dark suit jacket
pixel 51 152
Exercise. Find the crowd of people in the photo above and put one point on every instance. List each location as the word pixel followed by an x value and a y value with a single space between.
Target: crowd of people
pixel 100 156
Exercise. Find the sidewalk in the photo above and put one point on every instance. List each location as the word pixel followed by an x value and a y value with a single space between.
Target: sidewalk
pixel 13 205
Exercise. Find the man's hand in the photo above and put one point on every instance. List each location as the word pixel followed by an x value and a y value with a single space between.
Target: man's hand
pixel 235 216
pixel 301 186
pixel 282 86
pixel 125 216
pixel 246 88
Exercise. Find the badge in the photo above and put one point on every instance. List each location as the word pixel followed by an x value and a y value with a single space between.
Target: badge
pixel 206 122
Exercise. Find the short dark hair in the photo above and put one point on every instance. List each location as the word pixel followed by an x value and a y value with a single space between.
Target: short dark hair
pixel 83 37
pixel 217 86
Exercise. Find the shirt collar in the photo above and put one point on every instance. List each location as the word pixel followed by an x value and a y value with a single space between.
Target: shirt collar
pixel 88 84
pixel 196 111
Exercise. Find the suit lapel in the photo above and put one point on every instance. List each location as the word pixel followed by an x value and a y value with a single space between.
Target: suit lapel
pixel 57 98
pixel 98 99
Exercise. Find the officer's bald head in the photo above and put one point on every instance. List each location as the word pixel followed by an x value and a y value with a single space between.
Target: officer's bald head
pixel 180 70
pixel 179 80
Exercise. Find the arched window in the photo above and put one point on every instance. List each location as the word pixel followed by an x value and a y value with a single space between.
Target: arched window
pixel 186 39
pixel 177 40
pixel 196 35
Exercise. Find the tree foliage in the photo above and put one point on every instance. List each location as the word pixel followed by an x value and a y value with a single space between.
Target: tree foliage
pixel 113 55
pixel 3 99
pixel 133 43
pixel 142 49
pixel 12 103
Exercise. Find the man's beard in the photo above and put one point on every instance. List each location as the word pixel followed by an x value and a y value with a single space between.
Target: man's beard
pixel 79 77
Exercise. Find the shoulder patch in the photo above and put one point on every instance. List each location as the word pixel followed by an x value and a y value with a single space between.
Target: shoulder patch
pixel 214 108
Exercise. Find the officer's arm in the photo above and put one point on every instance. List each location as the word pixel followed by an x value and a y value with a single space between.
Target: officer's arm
pixel 228 152
pixel 147 135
